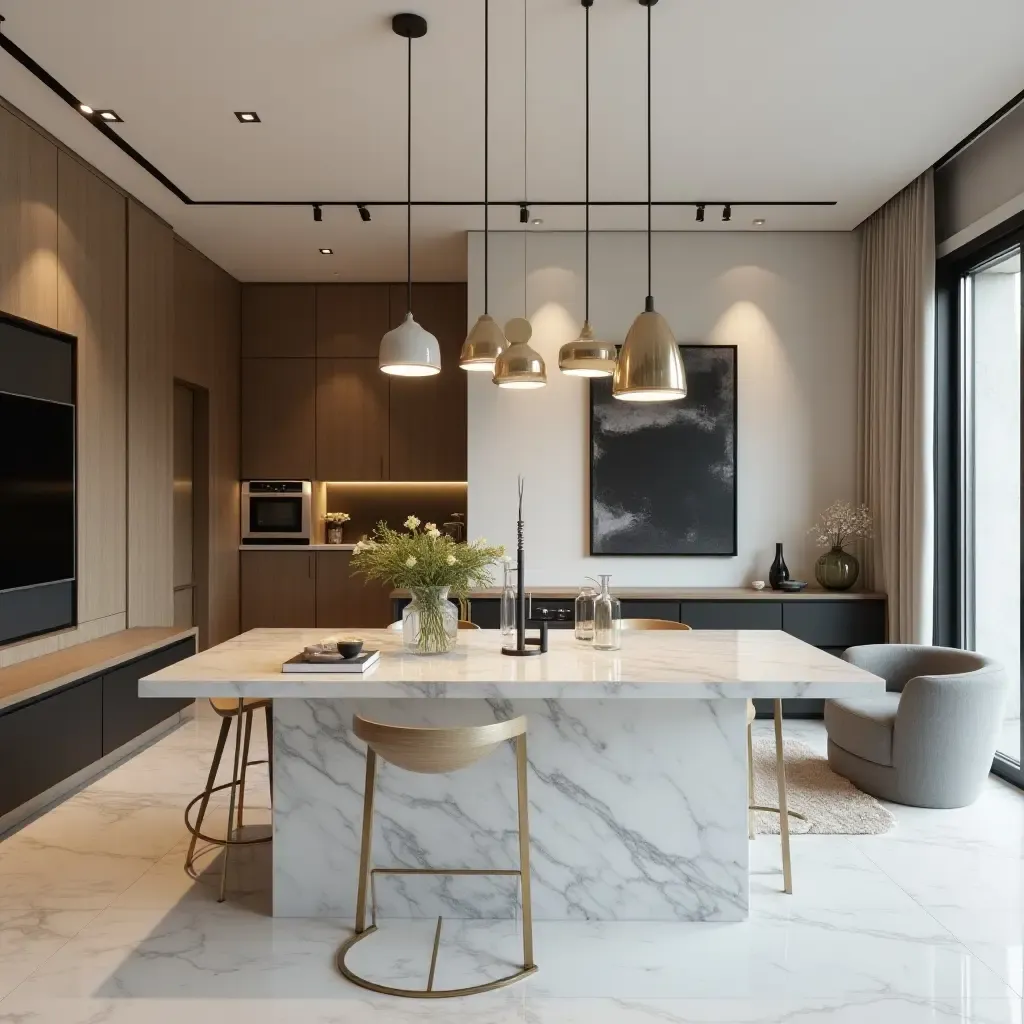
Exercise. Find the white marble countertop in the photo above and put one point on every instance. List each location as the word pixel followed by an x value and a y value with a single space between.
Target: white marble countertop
pixel 696 664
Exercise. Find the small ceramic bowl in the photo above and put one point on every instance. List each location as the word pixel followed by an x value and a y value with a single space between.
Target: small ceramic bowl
pixel 349 647
pixel 758 584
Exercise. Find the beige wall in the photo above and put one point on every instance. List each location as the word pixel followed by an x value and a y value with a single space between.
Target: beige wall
pixel 79 255
pixel 207 354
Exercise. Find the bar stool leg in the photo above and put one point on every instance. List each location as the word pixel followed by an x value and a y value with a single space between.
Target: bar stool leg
pixel 245 762
pixel 780 771
pixel 524 851
pixel 366 845
pixel 231 801
pixel 269 713
pixel 211 779
pixel 751 831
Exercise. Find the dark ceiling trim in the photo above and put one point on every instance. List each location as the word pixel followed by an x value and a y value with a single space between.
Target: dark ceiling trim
pixel 985 125
pixel 105 130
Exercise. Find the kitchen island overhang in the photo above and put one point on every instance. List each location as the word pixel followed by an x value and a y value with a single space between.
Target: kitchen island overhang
pixel 637 769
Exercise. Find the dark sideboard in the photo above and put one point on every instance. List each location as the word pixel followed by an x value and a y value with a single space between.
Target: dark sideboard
pixel 828 620
pixel 65 713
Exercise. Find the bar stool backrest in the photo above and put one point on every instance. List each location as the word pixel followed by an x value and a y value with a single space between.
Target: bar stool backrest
pixel 433 751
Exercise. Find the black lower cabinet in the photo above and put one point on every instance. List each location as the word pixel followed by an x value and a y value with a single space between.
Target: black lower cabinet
pixel 48 740
pixel 126 714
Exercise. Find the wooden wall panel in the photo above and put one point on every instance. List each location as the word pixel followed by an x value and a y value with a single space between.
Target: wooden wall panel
pixel 278 320
pixel 207 355
pixel 351 319
pixel 150 419
pixel 91 305
pixel 28 222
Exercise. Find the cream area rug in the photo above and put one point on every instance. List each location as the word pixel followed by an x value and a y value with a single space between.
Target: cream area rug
pixel 831 804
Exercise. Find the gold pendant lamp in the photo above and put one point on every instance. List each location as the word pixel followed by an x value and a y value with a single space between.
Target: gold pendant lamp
pixel 586 356
pixel 486 340
pixel 650 368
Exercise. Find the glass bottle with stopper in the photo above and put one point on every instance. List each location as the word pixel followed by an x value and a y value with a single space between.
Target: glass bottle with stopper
pixel 585 612
pixel 508 600
pixel 607 618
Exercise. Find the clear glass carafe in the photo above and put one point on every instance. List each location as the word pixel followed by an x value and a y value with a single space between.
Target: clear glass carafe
pixel 508 601
pixel 585 613
pixel 607 618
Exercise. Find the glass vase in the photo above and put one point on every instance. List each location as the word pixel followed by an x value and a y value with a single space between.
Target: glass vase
pixel 837 569
pixel 430 622
pixel 335 533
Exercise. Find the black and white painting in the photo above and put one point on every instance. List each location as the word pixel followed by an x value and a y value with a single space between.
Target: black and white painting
pixel 663 475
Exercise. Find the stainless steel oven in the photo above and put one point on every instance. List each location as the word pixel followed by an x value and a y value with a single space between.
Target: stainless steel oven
pixel 276 511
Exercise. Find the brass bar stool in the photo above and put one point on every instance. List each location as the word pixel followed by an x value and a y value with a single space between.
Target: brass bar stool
pixel 782 810
pixel 240 712
pixel 434 751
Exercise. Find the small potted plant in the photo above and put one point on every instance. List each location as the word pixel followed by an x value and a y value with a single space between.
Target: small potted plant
pixel 837 526
pixel 431 566
pixel 335 523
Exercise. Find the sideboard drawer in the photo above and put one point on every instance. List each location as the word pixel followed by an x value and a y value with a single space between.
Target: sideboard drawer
pixel 835 623
pixel 754 614
pixel 650 610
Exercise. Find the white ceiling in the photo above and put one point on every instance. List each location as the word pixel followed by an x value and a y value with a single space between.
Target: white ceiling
pixel 754 100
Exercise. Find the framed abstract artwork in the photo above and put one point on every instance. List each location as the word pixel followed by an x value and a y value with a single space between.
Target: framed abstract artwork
pixel 663 474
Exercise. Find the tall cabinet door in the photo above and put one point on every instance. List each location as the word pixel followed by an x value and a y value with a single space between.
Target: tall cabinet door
pixel 351 420
pixel 278 320
pixel 278 418
pixel 344 601
pixel 438 401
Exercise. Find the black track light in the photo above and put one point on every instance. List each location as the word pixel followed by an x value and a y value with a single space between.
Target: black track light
pixel 364 213
pixel 524 214
pixel 727 212
pixel 700 213
pixel 318 214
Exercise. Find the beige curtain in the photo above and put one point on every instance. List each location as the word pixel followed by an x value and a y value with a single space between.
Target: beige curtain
pixel 896 403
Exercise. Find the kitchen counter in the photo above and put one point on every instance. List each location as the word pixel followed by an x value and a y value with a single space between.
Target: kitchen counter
pixel 300 548
pixel 683 594
pixel 638 799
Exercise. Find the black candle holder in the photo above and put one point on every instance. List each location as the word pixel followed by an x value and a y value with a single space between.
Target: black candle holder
pixel 526 646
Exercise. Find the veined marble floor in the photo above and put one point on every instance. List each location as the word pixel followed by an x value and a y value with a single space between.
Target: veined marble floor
pixel 98 924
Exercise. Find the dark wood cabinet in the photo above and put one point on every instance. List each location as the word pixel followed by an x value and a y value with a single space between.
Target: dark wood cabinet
pixel 351 420
pixel 439 401
pixel 278 588
pixel 344 600
pixel 278 320
pixel 351 319
pixel 279 418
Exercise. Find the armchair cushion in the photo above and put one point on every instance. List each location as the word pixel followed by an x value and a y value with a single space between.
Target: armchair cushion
pixel 864 726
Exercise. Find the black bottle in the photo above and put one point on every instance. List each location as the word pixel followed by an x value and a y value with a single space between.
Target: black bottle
pixel 779 571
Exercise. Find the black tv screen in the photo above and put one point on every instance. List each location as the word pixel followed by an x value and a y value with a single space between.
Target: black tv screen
pixel 37 491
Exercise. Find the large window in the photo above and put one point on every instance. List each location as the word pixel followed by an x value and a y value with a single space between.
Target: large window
pixel 980 467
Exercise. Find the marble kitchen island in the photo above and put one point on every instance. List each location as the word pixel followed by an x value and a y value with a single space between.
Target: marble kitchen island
pixel 637 769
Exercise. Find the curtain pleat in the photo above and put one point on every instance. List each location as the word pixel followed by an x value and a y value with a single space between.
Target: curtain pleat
pixel 896 368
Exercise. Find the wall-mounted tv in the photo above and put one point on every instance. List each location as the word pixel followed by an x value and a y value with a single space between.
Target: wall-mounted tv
pixel 37 480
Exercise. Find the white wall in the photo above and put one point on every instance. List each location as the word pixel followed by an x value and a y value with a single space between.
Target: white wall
pixel 788 300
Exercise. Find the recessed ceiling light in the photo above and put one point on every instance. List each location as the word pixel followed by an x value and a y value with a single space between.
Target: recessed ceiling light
pixel 109 115
pixel 247 116
pixel 537 221
pixel 758 222
pixel 326 252
pixel 85 108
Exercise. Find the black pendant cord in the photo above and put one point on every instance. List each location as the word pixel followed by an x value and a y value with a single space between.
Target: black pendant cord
pixel 408 190
pixel 487 135
pixel 650 298
pixel 586 187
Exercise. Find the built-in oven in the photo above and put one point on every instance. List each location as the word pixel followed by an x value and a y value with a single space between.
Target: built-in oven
pixel 276 511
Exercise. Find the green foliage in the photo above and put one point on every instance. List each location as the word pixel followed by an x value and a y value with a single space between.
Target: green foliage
pixel 424 558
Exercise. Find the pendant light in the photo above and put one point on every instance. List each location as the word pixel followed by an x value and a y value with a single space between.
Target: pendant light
pixel 586 356
pixel 485 341
pixel 409 350
pixel 521 367
pixel 650 368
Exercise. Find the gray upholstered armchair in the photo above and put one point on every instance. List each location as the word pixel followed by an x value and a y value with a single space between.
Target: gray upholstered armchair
pixel 930 740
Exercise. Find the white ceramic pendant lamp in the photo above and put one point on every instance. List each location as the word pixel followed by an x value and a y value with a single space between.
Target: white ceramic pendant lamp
pixel 486 340
pixel 586 356
pixel 650 367
pixel 409 350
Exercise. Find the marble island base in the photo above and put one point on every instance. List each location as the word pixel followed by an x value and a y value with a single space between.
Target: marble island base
pixel 637 811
